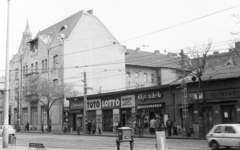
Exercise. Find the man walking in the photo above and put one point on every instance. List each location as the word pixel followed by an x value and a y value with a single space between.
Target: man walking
pixel 169 126
pixel 152 126
pixel 89 125
pixel 93 127
pixel 78 126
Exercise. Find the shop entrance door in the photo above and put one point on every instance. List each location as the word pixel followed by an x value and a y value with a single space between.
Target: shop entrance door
pixel 74 121
pixel 108 120
pixel 228 114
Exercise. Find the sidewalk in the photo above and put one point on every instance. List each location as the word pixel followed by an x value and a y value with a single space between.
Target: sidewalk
pixel 110 134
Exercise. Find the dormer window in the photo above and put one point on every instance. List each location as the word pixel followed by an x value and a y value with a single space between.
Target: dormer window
pixel 34 45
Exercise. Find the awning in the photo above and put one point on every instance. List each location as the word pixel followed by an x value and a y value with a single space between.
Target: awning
pixel 149 106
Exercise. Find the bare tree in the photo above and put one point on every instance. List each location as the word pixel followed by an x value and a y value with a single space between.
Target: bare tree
pixel 49 93
pixel 196 64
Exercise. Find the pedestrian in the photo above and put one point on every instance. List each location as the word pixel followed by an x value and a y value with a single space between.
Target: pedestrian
pixel 65 127
pixel 89 125
pixel 50 125
pixel 175 129
pixel 120 124
pixel 69 127
pixel 93 127
pixel 27 126
pixel 99 128
pixel 152 126
pixel 169 126
pixel 42 126
pixel 79 126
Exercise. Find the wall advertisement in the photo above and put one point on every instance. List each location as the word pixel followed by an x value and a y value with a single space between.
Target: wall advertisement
pixel 128 101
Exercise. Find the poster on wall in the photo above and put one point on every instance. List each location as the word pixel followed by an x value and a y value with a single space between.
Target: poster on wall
pixel 99 119
pixel 128 101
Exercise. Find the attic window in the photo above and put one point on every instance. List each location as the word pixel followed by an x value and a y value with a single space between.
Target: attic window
pixel 33 45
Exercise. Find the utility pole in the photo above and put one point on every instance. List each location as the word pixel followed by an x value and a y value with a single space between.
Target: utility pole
pixel 85 103
pixel 184 90
pixel 6 95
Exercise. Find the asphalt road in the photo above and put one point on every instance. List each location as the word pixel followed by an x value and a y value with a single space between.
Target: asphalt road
pixel 75 142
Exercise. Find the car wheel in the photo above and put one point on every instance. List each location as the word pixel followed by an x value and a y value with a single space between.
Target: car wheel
pixel 214 145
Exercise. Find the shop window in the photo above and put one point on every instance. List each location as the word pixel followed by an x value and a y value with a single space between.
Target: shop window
pixel 152 78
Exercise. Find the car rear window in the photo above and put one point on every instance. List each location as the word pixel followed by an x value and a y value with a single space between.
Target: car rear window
pixel 218 129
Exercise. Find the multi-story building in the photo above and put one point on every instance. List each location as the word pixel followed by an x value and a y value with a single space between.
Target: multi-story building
pixel 63 52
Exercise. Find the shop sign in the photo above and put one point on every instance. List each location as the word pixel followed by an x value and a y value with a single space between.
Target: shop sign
pixel 223 94
pixel 76 105
pixel 128 101
pixel 149 96
pixel 94 104
pixel 111 103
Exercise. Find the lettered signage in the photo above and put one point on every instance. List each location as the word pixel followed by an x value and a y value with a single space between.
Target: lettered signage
pixel 150 95
pixel 111 103
pixel 94 104
pixel 128 101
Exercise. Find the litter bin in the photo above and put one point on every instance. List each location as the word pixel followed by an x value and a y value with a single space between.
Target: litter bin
pixel 125 134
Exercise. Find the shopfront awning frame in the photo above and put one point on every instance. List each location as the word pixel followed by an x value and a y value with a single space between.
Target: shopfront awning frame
pixel 149 106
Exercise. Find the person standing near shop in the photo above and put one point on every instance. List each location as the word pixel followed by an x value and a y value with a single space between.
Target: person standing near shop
pixel 65 127
pixel 152 126
pixel 78 127
pixel 42 126
pixel 89 125
pixel 99 128
pixel 175 129
pixel 27 127
pixel 169 126
pixel 93 127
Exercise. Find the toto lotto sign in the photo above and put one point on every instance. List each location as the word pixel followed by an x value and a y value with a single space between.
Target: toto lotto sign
pixel 111 103
pixel 94 104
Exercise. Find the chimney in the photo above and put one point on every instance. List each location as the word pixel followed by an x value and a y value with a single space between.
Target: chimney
pixel 157 52
pixel 138 49
pixel 90 12
pixel 215 52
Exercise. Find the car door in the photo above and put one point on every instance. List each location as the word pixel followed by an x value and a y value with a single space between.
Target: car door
pixel 230 136
pixel 217 134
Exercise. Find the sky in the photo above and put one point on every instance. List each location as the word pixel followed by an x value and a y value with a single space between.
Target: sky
pixel 147 24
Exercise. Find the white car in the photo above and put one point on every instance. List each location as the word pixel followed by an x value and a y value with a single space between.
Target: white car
pixel 11 130
pixel 224 135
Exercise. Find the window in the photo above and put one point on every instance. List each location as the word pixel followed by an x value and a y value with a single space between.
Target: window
pixel 136 75
pixel 55 61
pixel 25 115
pixel 16 94
pixel 145 77
pixel 152 78
pixel 16 74
pixel 229 129
pixel 34 45
pixel 31 67
pixel 42 65
pixel 36 67
pixel 218 129
pixel 128 74
pixel 44 115
pixel 34 116
pixel 46 66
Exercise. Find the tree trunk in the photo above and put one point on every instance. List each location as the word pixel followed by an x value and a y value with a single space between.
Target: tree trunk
pixel 48 121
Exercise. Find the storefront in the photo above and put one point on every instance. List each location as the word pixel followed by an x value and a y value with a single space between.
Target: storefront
pixel 76 113
pixel 128 110
pixel 110 113
pixel 151 104
pixel 94 112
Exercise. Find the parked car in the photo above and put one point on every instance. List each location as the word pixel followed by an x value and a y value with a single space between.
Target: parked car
pixel 11 130
pixel 224 135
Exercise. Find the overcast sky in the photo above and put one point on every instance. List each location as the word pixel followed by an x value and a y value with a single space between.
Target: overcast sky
pixel 127 19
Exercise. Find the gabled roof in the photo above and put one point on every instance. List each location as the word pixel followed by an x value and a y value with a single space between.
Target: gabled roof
pixel 216 73
pixel 149 59
pixel 69 22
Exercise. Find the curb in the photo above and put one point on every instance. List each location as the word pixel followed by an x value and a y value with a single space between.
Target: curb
pixel 115 135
